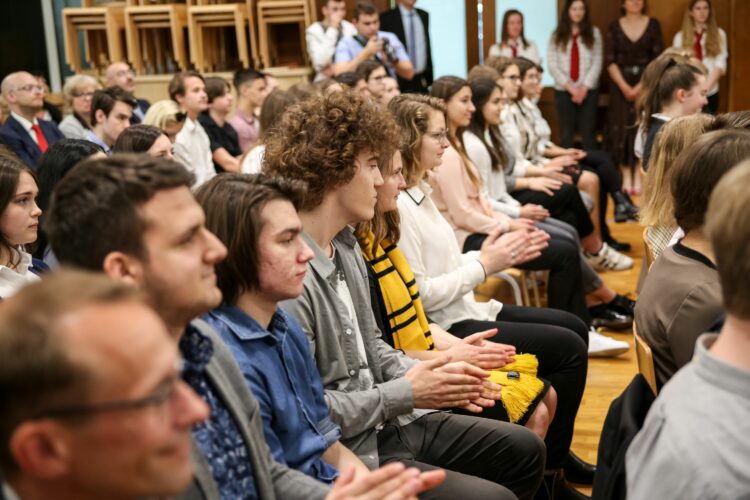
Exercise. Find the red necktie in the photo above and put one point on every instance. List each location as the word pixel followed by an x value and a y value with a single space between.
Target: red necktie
pixel 40 140
pixel 697 46
pixel 514 50
pixel 575 60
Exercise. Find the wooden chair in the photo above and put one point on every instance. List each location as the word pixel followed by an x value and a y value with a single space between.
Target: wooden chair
pixel 103 26
pixel 146 19
pixel 206 52
pixel 645 359
pixel 272 12
pixel 648 254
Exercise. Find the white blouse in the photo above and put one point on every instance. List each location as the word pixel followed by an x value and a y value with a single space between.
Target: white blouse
pixel 529 51
pixel 712 63
pixel 12 280
pixel 446 277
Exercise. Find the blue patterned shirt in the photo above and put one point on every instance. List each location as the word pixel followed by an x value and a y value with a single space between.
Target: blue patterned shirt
pixel 218 437
pixel 282 375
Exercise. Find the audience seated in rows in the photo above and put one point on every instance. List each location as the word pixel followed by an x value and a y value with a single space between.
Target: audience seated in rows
pixel 79 94
pixel 120 74
pixel 144 138
pixel 225 146
pixel 166 115
pixel 111 109
pixel 252 89
pixel 273 107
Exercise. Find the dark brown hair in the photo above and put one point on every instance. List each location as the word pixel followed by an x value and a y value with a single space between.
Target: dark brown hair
pixel 177 83
pixel 365 68
pixel 39 370
pixel 105 100
pixel 733 119
pixel 10 174
pixel 137 139
pixel 273 107
pixel 698 169
pixel 95 209
pixel 661 78
pixel 483 71
pixel 644 10
pixel 500 63
pixel 364 7
pixel 564 30
pixel 481 90
pixel 318 141
pixel 216 87
pixel 234 204
pixel 504 36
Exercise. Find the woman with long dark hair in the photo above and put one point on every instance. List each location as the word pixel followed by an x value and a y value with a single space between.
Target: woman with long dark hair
pixel 513 43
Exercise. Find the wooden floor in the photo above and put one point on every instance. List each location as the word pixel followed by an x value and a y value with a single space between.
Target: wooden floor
pixel 608 377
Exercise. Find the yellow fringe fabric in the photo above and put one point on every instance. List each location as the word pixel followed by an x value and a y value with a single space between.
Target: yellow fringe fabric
pixel 520 385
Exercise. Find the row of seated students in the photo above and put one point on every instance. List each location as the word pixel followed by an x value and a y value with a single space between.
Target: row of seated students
pixel 331 162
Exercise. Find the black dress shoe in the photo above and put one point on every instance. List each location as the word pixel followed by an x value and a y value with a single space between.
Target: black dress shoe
pixel 607 317
pixel 625 210
pixel 578 471
pixel 567 492
pixel 620 247
pixel 623 305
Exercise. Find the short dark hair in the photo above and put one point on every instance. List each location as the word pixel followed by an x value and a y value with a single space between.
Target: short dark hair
pixel 273 107
pixel 39 370
pixel 348 78
pixel 245 76
pixel 698 169
pixel 177 83
pixel 318 141
pixel 216 86
pixel 137 139
pixel 233 204
pixel 95 208
pixel 10 175
pixel 364 7
pixel 105 100
pixel 366 68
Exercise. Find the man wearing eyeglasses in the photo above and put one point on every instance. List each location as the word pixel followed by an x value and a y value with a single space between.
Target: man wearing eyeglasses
pixel 25 134
pixel 121 75
pixel 93 402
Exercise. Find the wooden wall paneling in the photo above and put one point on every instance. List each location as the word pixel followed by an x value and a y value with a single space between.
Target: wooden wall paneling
pixel 472 35
pixel 738 95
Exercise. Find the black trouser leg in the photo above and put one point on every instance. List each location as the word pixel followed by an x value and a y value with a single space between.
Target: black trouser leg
pixel 559 340
pixel 565 205
pixel 586 119
pixel 566 114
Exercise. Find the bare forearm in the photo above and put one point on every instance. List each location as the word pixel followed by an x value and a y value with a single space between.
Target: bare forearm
pixel 341 457
pixel 228 162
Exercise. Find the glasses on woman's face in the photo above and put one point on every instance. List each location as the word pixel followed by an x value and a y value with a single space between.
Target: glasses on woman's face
pixel 513 78
pixel 439 136
pixel 85 95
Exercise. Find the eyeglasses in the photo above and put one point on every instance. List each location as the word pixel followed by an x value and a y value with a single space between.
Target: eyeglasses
pixel 180 116
pixel 85 95
pixel 165 393
pixel 512 78
pixel 30 88
pixel 124 72
pixel 439 136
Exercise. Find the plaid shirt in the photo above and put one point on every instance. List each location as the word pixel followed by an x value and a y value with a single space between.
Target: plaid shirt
pixel 590 62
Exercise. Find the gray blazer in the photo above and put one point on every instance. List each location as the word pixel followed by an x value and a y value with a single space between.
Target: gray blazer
pixel 272 479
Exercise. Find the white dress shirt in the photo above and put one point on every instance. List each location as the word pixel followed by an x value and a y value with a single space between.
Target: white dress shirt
pixel 446 277
pixel 590 62
pixel 192 148
pixel 12 280
pixel 712 63
pixel 27 125
pixel 528 51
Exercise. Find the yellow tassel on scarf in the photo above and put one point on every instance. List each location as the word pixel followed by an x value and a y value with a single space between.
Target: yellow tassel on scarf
pixel 520 385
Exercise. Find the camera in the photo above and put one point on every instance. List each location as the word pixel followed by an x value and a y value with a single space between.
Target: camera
pixel 390 50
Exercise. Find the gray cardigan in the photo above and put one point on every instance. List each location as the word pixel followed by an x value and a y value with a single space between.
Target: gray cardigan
pixel 272 479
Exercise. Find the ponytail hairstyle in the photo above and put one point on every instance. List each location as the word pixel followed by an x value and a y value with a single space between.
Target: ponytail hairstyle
pixel 713 40
pixel 504 35
pixel 663 76
pixel 481 90
pixel 445 88
pixel 412 114
pixel 564 30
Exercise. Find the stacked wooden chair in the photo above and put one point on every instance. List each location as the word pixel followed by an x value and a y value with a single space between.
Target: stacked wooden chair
pixel 155 33
pixel 103 26
pixel 208 50
pixel 276 12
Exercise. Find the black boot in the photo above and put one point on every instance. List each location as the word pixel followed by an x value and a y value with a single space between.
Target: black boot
pixel 624 208
pixel 578 471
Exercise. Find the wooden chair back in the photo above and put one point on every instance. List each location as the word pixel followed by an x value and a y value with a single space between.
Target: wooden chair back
pixel 645 358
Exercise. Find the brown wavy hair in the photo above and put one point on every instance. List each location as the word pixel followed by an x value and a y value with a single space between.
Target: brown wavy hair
pixel 412 113
pixel 318 141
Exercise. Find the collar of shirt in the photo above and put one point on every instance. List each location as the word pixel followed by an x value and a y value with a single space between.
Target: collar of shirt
pixel 404 11
pixel 419 192
pixel 322 264
pixel 92 137
pixel 196 350
pixel 24 122
pixel 717 371
pixel 190 125
pixel 246 327
pixel 249 119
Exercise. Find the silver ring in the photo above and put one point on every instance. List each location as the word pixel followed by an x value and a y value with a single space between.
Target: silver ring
pixel 513 254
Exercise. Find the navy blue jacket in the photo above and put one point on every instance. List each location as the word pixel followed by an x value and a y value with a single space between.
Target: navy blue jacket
pixel 20 142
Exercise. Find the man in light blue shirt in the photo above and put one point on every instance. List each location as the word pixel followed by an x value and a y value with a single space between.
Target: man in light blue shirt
pixel 370 43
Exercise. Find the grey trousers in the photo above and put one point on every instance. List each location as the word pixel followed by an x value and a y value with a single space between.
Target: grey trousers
pixel 559 229
pixel 482 458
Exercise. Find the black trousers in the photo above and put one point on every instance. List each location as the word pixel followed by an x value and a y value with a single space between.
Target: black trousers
pixel 713 104
pixel 562 259
pixel 559 340
pixel 483 459
pixel 600 163
pixel 565 205
pixel 577 118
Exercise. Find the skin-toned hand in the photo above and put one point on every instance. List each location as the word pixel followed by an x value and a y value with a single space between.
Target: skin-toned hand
pixel 496 252
pixel 526 224
pixel 435 387
pixel 490 390
pixel 538 241
pixel 534 212
pixel 544 184
pixel 480 352
pixel 390 482
pixel 576 154
pixel 374 45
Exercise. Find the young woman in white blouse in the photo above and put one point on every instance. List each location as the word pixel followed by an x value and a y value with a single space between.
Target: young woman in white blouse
pixel 574 58
pixel 513 42
pixel 19 222
pixel 708 42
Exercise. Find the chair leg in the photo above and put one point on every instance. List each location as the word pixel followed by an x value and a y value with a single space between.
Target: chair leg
pixel 513 285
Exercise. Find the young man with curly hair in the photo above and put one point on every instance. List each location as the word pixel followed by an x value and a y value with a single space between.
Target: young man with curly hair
pixel 380 398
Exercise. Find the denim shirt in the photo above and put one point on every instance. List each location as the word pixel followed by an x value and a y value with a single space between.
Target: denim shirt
pixel 218 437
pixel 281 373
pixel 326 322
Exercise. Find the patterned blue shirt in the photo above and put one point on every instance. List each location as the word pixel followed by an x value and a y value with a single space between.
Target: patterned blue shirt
pixel 218 437
pixel 283 377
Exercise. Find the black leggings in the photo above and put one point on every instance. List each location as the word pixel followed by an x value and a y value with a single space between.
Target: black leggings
pixel 565 205
pixel 559 340
pixel 561 258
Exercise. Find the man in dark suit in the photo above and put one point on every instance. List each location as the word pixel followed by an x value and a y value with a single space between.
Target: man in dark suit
pixel 25 134
pixel 411 26
pixel 120 74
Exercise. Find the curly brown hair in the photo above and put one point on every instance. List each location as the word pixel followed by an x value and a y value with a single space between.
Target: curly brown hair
pixel 318 141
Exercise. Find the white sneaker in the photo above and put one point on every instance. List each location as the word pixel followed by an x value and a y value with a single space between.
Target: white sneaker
pixel 605 347
pixel 609 259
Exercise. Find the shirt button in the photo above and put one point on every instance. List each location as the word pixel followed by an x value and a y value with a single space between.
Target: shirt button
pixel 348 331
pixel 351 373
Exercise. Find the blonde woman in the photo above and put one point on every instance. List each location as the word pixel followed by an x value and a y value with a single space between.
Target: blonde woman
pixel 78 93
pixel 167 116
pixel 708 42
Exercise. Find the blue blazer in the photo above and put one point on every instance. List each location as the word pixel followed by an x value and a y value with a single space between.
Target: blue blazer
pixel 18 139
